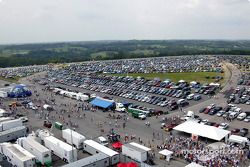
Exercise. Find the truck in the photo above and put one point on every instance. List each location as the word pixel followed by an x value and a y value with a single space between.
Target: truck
pixel 135 151
pixel 42 154
pixel 82 97
pixel 242 141
pixel 73 138
pixel 10 124
pixel 12 134
pixel 120 107
pixel 61 149
pixel 16 155
pixel 92 147
pixel 58 125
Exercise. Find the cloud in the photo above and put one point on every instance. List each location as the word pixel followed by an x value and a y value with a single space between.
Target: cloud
pixel 65 20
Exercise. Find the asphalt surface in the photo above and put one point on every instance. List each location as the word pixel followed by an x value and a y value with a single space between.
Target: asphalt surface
pixel 93 122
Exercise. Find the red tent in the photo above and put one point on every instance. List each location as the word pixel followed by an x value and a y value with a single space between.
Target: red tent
pixel 132 164
pixel 117 145
pixel 122 165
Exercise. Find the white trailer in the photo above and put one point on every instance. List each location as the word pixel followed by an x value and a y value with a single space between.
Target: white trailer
pixel 3 113
pixel 82 97
pixel 12 134
pixel 73 137
pixel 61 149
pixel 10 124
pixel 2 119
pixel 97 160
pixel 135 151
pixel 43 155
pixel 16 155
pixel 92 147
pixel 3 94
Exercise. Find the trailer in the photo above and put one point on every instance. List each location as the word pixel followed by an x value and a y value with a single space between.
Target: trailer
pixel 242 141
pixel 92 147
pixel 4 113
pixel 16 155
pixel 10 124
pixel 43 155
pixel 12 134
pixel 82 97
pixel 61 149
pixel 3 94
pixel 99 159
pixel 73 137
pixel 2 119
pixel 135 151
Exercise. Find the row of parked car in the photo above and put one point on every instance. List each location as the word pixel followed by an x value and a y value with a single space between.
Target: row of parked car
pixel 240 95
pixel 230 111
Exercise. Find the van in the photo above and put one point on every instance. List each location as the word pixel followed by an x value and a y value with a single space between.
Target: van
pixel 197 97
pixel 102 140
pixel 190 97
pixel 241 116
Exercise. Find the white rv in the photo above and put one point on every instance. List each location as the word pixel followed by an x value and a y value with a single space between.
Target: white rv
pixel 61 149
pixel 10 124
pixel 43 155
pixel 73 137
pixel 92 147
pixel 12 134
pixel 16 155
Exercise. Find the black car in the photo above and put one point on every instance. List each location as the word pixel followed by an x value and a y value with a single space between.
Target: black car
pixel 202 110
pixel 243 132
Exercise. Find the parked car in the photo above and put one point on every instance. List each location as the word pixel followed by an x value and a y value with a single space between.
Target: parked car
pixel 243 132
pixel 223 126
pixel 235 131
pixel 242 116
pixel 247 119
pixel 220 113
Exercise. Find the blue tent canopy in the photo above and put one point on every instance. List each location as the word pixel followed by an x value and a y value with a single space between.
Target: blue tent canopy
pixel 19 91
pixel 102 103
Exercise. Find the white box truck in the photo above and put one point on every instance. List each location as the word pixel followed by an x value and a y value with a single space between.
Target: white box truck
pixel 16 155
pixel 12 134
pixel 42 154
pixel 73 137
pixel 10 124
pixel 242 141
pixel 61 149
pixel 92 147
pixel 135 151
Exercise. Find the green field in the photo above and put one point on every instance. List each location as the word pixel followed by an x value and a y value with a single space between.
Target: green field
pixel 175 77
pixel 12 80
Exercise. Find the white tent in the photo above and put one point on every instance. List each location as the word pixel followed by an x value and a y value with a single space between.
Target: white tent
pixel 181 81
pixel 166 153
pixel 194 165
pixel 207 131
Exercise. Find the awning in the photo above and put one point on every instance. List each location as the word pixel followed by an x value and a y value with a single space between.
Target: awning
pixel 117 145
pixel 206 131
pixel 166 152
pixel 194 165
pixel 103 103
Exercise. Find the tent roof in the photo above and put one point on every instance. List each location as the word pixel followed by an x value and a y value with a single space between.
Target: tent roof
pixel 193 165
pixel 165 152
pixel 207 131
pixel 102 103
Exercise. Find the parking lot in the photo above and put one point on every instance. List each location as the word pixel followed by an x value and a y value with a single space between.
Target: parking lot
pixel 92 122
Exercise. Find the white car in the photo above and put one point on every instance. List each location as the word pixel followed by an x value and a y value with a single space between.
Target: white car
pixel 241 116
pixel 24 119
pixel 223 126
pixel 247 119
pixel 204 121
pixel 220 113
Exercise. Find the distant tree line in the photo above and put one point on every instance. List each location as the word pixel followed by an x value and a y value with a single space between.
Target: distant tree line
pixel 83 51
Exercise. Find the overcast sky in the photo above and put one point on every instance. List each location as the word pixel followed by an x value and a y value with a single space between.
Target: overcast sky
pixel 25 21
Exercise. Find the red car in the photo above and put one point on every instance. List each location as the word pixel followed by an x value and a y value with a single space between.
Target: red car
pixel 216 125
pixel 235 131
pixel 169 127
pixel 207 110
